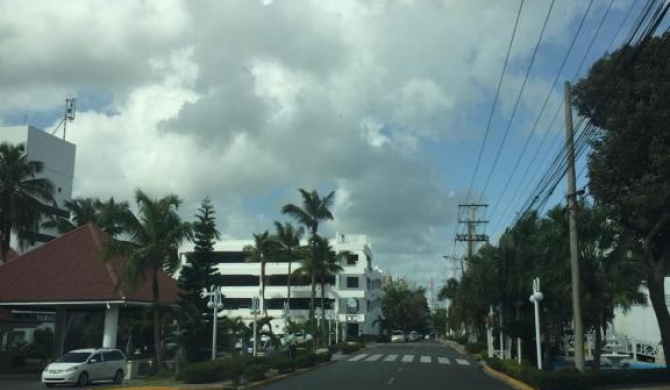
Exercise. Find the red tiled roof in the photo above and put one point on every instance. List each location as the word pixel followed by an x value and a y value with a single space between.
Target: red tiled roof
pixel 70 268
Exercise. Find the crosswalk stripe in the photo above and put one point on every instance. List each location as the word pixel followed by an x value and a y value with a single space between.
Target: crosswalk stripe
pixel 407 358
pixel 390 358
pixel 357 358
pixel 443 360
pixel 425 359
pixel 373 358
pixel 463 362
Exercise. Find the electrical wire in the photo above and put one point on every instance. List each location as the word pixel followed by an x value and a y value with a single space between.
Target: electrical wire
pixel 495 100
pixel 518 99
pixel 544 106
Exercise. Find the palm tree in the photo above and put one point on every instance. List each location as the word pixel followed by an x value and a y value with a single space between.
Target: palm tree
pixel 23 196
pixel 259 253
pixel 107 215
pixel 328 264
pixel 287 240
pixel 314 210
pixel 153 239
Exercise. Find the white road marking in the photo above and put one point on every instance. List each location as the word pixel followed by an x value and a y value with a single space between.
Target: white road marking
pixel 425 359
pixel 408 358
pixel 443 360
pixel 390 358
pixel 463 362
pixel 373 358
pixel 357 358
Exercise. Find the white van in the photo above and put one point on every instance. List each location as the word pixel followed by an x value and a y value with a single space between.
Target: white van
pixel 83 366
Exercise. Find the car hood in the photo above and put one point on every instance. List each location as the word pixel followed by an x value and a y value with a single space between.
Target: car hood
pixel 62 366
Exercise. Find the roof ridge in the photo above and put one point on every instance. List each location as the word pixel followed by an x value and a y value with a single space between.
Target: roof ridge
pixel 97 234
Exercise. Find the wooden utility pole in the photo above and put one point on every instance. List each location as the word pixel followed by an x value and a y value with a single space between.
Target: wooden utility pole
pixel 578 327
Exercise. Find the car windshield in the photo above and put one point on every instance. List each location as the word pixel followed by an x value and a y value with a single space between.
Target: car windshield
pixel 74 357
pixel 398 333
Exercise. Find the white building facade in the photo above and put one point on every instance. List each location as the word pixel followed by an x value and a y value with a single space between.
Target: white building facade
pixel 353 298
pixel 58 157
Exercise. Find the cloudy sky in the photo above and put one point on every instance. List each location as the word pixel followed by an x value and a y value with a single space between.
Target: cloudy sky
pixel 385 102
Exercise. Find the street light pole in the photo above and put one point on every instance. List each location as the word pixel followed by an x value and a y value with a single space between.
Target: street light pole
pixel 536 297
pixel 215 295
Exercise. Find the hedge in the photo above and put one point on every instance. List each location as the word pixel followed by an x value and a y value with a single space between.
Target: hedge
pixel 214 371
pixel 572 379
pixel 281 363
pixel 255 372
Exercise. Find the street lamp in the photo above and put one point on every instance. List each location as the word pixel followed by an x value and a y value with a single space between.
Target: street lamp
pixel 215 295
pixel 536 297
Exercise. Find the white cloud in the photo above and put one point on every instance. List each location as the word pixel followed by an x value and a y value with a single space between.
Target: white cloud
pixel 245 101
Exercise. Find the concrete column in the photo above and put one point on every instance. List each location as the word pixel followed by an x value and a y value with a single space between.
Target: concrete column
pixel 59 333
pixel 111 326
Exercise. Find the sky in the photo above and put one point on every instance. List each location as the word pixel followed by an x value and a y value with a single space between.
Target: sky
pixel 245 101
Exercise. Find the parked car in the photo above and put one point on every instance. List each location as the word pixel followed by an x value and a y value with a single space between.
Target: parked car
pixel 83 366
pixel 398 336
pixel 414 336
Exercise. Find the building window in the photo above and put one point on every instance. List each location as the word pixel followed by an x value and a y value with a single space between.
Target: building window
pixel 352 259
pixel 352 282
pixel 239 280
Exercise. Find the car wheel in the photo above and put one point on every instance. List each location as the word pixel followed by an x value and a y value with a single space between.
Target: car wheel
pixel 118 377
pixel 83 379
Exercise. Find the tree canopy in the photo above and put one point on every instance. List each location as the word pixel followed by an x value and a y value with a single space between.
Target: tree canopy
pixel 627 96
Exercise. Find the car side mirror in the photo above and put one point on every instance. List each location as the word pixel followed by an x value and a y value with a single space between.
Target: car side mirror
pixel 92 361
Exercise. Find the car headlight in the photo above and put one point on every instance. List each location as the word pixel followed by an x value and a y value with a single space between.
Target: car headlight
pixel 71 369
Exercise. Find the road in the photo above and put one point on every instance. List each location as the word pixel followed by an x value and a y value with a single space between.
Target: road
pixel 411 366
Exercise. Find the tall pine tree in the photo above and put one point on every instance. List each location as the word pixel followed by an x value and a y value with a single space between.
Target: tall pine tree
pixel 199 271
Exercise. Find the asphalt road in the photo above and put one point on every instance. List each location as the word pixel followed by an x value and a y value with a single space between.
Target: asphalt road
pixel 411 366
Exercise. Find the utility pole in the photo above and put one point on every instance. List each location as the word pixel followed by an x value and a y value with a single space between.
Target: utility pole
pixel 578 327
pixel 468 215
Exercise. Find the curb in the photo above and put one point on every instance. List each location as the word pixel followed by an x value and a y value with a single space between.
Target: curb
pixel 508 380
pixel 280 377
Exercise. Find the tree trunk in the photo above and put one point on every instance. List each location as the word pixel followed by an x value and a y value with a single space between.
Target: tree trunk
pixel 312 299
pixel 158 346
pixel 265 310
pixel 323 312
pixel 656 286
pixel 597 350
pixel 288 286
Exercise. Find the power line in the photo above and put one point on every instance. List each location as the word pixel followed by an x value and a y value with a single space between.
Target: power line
pixel 576 74
pixel 518 99
pixel 544 106
pixel 495 101
pixel 652 25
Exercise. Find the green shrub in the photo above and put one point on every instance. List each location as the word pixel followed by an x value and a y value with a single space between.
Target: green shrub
pixel 255 372
pixel 475 348
pixel 304 360
pixel 214 371
pixel 572 379
pixel 630 377
pixel 542 380
pixel 348 348
pixel 282 364
pixel 322 357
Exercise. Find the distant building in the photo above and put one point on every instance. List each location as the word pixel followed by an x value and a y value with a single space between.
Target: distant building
pixel 353 297
pixel 58 157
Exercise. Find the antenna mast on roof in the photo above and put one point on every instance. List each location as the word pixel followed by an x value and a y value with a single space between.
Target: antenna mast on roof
pixel 70 109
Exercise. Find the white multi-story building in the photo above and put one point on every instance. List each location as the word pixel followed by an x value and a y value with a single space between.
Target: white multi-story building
pixel 353 298
pixel 58 157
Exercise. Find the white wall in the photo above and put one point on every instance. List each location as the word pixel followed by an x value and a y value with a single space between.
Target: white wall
pixel 639 322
